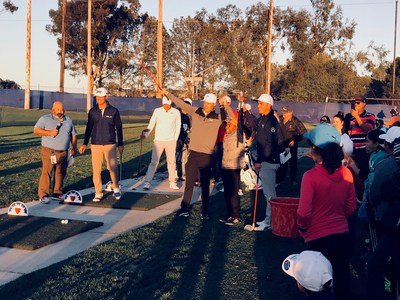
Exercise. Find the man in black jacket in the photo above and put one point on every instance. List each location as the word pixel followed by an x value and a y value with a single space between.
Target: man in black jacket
pixel 267 162
pixel 293 134
pixel 104 126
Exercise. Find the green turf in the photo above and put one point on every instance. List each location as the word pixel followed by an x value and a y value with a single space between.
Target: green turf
pixel 131 200
pixel 30 233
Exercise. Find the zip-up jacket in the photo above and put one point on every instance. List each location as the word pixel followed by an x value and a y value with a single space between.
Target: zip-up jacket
pixel 204 130
pixel 103 129
pixel 267 139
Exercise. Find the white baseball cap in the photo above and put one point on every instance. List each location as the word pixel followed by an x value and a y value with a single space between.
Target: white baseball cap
pixel 101 92
pixel 188 100
pixel 210 98
pixel 266 98
pixel 390 135
pixel 310 268
pixel 165 100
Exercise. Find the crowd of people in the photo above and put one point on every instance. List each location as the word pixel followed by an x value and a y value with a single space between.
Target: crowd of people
pixel 357 167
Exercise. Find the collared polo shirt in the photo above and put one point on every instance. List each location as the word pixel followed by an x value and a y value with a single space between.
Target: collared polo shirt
pixel 62 140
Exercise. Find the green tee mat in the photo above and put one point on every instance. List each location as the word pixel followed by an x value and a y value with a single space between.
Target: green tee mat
pixel 30 233
pixel 130 200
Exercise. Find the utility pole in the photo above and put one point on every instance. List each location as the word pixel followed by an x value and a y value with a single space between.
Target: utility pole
pixel 27 102
pixel 62 62
pixel 89 58
pixel 159 50
pixel 394 53
pixel 268 60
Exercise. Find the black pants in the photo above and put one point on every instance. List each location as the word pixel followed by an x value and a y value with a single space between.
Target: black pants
pixel 231 179
pixel 197 162
pixel 337 249
pixel 388 248
pixel 361 157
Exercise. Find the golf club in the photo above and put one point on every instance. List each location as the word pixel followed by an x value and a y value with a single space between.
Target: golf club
pixel 252 227
pixel 120 166
pixel 147 71
pixel 140 155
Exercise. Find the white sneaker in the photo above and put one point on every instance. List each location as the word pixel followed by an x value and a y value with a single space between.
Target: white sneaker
pixel 97 197
pixel 45 200
pixel 173 186
pixel 146 186
pixel 117 194
pixel 263 227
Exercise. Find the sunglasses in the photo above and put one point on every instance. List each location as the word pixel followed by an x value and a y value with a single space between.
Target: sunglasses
pixel 357 102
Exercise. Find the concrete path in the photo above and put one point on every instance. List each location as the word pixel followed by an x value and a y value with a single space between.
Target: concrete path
pixel 16 262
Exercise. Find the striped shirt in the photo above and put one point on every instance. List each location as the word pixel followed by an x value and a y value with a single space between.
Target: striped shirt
pixel 356 133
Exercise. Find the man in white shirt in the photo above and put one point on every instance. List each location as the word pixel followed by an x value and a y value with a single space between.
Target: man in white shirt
pixel 167 123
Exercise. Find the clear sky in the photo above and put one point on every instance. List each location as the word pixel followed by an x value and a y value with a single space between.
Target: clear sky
pixel 374 18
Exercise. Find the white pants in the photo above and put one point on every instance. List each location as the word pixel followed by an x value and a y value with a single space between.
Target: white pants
pixel 158 149
pixel 268 176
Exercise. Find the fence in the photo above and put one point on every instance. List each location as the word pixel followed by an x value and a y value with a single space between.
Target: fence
pixel 306 112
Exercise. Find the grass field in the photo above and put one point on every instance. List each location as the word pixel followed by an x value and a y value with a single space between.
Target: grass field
pixel 169 259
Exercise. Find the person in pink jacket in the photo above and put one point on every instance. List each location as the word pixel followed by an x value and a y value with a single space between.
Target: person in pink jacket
pixel 327 200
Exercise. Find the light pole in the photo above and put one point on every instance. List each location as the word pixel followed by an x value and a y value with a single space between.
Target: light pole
pixel 62 62
pixel 159 50
pixel 268 60
pixel 394 53
pixel 27 100
pixel 89 58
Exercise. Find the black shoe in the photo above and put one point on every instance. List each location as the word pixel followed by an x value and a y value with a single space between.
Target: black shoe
pixel 181 213
pixel 204 216
pixel 233 221
pixel 224 220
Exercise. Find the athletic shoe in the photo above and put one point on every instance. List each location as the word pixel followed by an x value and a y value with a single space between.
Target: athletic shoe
pixel 204 216
pixel 181 213
pixel 58 197
pixel 224 220
pixel 97 198
pixel 233 221
pixel 117 194
pixel 173 186
pixel 45 200
pixel 263 227
pixel 146 186
pixel 240 192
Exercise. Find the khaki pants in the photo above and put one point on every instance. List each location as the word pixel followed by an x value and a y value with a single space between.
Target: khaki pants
pixel 99 153
pixel 47 167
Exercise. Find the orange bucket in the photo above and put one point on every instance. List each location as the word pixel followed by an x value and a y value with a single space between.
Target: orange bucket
pixel 284 217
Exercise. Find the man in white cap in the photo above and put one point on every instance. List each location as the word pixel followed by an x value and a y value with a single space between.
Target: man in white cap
pixel 205 125
pixel 313 273
pixel 104 127
pixel 267 161
pixel 167 123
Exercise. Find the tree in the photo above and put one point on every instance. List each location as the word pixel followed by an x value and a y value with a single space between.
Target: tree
pixel 309 35
pixel 114 23
pixel 8 6
pixel 9 84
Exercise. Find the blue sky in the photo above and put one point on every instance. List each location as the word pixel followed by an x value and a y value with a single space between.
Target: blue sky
pixel 374 18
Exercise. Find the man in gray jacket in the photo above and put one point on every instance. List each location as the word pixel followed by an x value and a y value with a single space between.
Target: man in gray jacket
pixel 205 125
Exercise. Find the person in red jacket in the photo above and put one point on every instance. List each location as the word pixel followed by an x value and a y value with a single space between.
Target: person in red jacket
pixel 327 200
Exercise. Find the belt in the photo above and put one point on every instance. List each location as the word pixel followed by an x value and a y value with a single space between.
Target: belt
pixel 53 150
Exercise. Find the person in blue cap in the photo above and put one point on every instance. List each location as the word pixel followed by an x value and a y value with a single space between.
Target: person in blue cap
pixel 327 201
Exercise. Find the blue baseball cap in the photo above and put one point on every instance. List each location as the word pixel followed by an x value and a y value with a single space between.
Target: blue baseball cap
pixel 322 135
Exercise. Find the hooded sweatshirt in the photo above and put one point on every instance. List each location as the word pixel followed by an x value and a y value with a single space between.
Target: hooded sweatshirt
pixel 326 202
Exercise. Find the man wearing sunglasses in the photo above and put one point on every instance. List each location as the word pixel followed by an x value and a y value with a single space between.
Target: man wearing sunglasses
pixel 358 123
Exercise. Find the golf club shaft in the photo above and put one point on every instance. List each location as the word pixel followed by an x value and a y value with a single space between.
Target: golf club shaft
pixel 120 166
pixel 140 155
pixel 148 72
pixel 255 202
